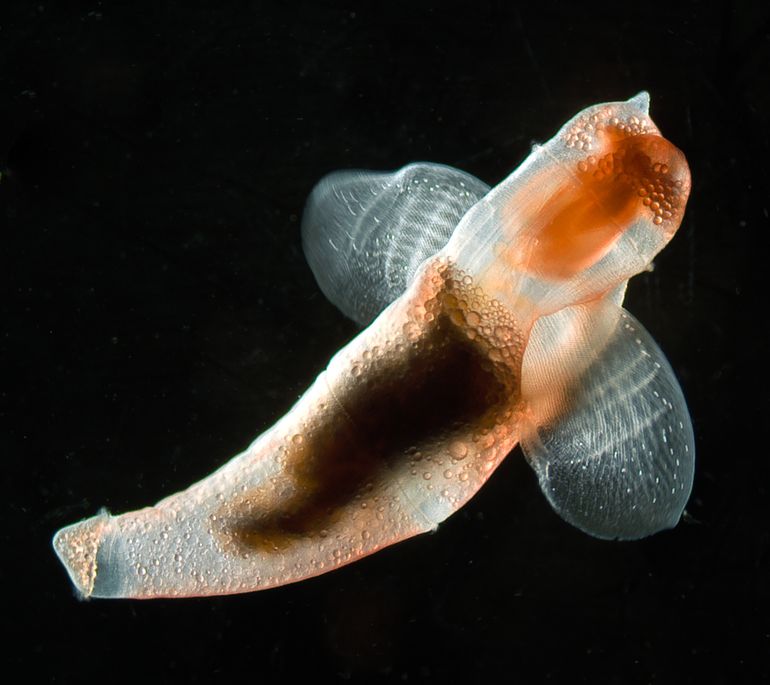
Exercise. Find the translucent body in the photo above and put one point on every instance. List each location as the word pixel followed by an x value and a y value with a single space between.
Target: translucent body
pixel 498 321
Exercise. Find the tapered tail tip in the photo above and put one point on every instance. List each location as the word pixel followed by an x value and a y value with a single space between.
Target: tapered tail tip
pixel 77 546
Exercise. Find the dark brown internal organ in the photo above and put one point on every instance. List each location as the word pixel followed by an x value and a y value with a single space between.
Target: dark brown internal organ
pixel 424 389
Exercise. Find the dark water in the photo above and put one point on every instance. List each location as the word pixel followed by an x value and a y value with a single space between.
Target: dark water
pixel 158 314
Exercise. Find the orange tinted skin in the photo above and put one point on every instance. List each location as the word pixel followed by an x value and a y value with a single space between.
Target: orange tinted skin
pixel 630 178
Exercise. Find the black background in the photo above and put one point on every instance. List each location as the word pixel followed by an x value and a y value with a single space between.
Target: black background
pixel 157 314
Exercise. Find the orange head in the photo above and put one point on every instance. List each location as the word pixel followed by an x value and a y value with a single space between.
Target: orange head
pixel 628 178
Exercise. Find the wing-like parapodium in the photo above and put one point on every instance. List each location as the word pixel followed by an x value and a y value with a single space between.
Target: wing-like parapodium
pixel 365 233
pixel 610 437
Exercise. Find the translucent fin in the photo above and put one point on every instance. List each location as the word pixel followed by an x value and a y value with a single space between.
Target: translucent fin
pixel 610 437
pixel 365 233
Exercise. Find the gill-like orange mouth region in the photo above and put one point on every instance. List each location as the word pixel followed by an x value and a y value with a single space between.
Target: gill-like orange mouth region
pixel 629 179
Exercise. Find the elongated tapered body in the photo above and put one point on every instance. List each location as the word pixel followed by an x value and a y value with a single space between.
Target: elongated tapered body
pixel 377 450
pixel 496 320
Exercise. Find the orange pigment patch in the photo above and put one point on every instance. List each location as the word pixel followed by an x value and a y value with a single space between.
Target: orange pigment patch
pixel 606 193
